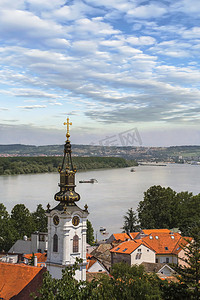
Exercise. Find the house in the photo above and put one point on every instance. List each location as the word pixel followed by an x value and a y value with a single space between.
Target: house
pixel 167 245
pixel 163 271
pixel 94 265
pixel 103 254
pixel 37 243
pixel 132 252
pixel 17 281
pixel 118 237
pixel 13 258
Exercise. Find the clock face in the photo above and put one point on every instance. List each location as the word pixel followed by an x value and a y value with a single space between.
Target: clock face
pixel 75 220
pixel 56 220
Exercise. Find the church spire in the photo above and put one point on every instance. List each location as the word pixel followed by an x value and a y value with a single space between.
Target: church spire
pixel 67 172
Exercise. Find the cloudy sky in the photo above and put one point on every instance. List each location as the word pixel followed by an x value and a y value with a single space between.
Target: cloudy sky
pixel 113 66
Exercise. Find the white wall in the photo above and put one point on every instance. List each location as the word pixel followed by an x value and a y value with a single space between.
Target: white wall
pixel 65 231
pixel 97 267
pixel 147 255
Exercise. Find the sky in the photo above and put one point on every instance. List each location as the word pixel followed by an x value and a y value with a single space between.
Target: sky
pixel 126 72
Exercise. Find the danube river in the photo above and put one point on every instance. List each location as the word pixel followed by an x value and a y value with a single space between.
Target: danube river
pixel 116 191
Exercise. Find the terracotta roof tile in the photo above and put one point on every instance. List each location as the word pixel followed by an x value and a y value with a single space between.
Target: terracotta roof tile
pixel 149 231
pixel 127 247
pixel 41 257
pixel 121 236
pixel 91 262
pixel 163 243
pixel 14 277
pixel 133 234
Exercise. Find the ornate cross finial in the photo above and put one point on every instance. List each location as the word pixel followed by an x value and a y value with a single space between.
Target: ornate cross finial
pixel 68 123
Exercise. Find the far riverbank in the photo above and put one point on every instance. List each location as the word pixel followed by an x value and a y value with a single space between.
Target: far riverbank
pixel 50 164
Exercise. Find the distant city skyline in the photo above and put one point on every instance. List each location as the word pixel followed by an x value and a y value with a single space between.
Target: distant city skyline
pixel 112 67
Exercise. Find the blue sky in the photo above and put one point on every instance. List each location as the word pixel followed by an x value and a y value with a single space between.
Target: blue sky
pixel 112 66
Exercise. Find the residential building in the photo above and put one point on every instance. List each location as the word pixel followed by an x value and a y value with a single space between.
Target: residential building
pixel 17 281
pixel 132 252
pixel 37 243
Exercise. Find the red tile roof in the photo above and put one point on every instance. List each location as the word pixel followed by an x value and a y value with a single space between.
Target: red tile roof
pixel 149 231
pixel 163 243
pixel 133 234
pixel 91 262
pixel 121 236
pixel 127 247
pixel 14 278
pixel 41 257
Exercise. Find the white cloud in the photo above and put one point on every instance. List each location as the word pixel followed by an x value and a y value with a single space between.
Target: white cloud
pixel 192 33
pixel 32 106
pixel 147 11
pixel 114 58
pixel 142 40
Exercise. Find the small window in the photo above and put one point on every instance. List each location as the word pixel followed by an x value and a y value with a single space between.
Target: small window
pixel 167 260
pixel 139 250
pixel 125 249
pixel 41 237
pixel 166 248
pixel 117 249
pixel 138 255
pixel 151 238
pixel 156 237
pixel 147 250
pixel 55 243
pixel 75 243
pixel 156 260
pixel 172 236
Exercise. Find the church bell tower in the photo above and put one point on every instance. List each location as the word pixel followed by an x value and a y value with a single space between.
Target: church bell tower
pixel 67 223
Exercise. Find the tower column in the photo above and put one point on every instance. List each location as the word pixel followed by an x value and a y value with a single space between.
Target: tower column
pixel 67 224
pixel 66 250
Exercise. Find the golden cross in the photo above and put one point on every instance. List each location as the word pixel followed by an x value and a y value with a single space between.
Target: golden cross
pixel 68 123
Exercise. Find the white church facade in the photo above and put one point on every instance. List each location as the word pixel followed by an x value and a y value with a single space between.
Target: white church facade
pixel 67 223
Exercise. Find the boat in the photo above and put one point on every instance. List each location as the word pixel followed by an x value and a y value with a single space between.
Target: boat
pixel 132 170
pixel 92 180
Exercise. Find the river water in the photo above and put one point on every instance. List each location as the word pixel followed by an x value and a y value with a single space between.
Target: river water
pixel 108 200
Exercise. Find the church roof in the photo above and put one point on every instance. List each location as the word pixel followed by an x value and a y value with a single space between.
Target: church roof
pixel 15 277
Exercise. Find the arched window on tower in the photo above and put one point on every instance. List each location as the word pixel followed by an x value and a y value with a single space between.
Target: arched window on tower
pixel 75 244
pixel 55 243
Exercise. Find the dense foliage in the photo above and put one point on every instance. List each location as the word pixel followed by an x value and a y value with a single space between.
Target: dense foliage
pixel 189 272
pixel 164 208
pixel 126 283
pixel 90 233
pixel 26 165
pixel 21 222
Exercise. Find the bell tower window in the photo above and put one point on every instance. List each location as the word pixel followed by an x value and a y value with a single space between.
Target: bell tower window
pixel 55 243
pixel 75 243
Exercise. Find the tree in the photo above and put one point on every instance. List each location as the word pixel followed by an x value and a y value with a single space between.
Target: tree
pixel 90 233
pixel 188 212
pixel 22 220
pixel 130 222
pixel 189 272
pixel 40 219
pixel 65 288
pixel 3 212
pixel 158 208
pixel 126 283
pixel 8 233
